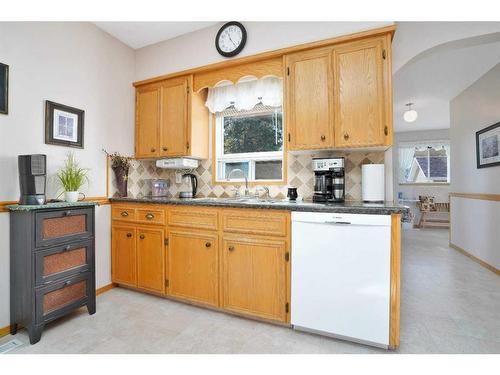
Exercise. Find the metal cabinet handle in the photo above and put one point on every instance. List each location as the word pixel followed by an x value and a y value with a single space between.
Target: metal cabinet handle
pixel 386 130
pixel 67 248
pixel 230 248
pixel 165 148
pixel 129 235
pixel 150 216
pixel 208 244
pixel 142 236
pixel 153 149
pixel 346 136
pixel 67 213
pixel 67 282
pixel 124 213
pixel 323 137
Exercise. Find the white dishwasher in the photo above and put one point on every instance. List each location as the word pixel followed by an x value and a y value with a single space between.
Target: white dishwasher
pixel 341 275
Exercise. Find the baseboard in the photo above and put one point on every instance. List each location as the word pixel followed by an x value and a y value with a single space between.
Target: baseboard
pixel 4 331
pixel 104 288
pixel 475 259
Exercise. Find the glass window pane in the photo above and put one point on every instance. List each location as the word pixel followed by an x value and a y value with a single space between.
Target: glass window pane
pixel 253 133
pixel 242 166
pixel 268 170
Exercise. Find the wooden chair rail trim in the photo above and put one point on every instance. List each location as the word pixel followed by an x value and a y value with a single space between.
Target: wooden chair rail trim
pixel 480 196
pixel 271 54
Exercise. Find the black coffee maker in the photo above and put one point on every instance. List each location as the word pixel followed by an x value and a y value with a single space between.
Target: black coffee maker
pixel 32 179
pixel 329 180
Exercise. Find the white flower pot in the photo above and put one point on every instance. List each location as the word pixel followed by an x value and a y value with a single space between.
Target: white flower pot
pixel 71 196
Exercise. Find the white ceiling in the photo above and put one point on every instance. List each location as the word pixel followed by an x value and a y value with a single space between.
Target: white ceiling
pixel 434 78
pixel 140 34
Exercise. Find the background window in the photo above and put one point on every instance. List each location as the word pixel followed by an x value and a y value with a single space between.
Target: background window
pixel 251 141
pixel 427 162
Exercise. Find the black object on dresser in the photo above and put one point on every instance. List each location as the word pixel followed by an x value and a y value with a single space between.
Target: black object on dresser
pixel 52 264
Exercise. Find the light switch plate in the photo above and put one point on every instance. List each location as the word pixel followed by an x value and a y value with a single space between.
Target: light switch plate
pixel 178 177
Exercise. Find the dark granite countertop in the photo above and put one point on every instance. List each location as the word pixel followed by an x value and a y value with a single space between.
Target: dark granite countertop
pixel 19 207
pixel 351 207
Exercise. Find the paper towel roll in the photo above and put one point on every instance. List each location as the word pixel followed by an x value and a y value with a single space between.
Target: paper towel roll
pixel 372 182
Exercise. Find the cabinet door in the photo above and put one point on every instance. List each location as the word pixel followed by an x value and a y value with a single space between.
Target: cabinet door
pixel 309 103
pixel 254 276
pixel 123 255
pixel 174 117
pixel 192 263
pixel 147 122
pixel 151 259
pixel 359 94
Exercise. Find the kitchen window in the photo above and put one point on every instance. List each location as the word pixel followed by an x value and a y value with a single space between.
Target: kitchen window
pixel 248 129
pixel 251 141
pixel 424 162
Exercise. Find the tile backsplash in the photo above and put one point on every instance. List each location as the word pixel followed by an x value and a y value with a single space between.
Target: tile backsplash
pixel 300 175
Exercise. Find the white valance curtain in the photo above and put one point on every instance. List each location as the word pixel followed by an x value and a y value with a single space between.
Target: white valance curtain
pixel 245 95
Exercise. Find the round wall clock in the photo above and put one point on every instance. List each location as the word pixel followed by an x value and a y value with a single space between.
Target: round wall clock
pixel 231 39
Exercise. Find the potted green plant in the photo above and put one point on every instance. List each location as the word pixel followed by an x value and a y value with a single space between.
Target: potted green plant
pixel 71 178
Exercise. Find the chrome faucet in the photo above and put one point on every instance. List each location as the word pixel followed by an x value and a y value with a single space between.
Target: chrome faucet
pixel 267 195
pixel 247 192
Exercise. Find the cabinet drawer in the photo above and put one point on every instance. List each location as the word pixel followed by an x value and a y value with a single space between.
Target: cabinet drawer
pixel 62 297
pixel 263 222
pixel 193 217
pixel 153 216
pixel 60 226
pixel 62 261
pixel 123 213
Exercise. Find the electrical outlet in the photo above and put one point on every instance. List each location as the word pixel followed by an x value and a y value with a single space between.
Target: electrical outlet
pixel 178 177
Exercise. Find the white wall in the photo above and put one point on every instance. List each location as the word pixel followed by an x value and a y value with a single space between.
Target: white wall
pixel 75 64
pixel 198 48
pixel 475 223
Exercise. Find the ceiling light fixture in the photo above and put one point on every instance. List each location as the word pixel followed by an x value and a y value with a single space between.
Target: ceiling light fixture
pixel 410 115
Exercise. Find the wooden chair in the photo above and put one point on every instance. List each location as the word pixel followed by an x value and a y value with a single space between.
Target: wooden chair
pixel 433 215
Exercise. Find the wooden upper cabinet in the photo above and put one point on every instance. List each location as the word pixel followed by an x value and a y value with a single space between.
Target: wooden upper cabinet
pixel 151 259
pixel 174 117
pixel 147 122
pixel 309 100
pixel 254 276
pixel 360 94
pixel 171 120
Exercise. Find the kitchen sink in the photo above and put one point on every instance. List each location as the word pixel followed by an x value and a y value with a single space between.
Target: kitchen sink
pixel 248 200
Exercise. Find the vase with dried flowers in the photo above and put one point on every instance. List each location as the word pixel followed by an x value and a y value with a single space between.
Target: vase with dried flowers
pixel 120 165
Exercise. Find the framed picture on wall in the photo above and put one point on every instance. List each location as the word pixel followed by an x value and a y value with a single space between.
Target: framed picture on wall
pixel 488 146
pixel 4 89
pixel 63 125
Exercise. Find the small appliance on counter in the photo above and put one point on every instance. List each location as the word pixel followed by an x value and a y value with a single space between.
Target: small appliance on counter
pixel 292 194
pixel 373 183
pixel 32 179
pixel 329 180
pixel 194 185
pixel 159 188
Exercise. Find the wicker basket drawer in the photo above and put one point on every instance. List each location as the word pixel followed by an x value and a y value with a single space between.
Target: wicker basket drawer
pixel 55 227
pixel 62 261
pixel 62 297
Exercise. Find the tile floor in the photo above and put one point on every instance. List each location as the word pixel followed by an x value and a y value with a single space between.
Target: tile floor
pixel 450 304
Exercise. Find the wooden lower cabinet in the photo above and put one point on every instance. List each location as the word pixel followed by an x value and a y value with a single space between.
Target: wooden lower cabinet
pixel 151 259
pixel 123 254
pixel 254 273
pixel 193 266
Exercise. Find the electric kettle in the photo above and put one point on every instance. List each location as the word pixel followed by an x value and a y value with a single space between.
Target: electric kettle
pixel 194 185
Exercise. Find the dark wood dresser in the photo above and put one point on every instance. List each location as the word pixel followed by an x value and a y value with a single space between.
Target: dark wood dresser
pixel 52 263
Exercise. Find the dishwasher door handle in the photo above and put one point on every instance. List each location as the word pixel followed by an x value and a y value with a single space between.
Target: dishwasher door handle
pixel 337 222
